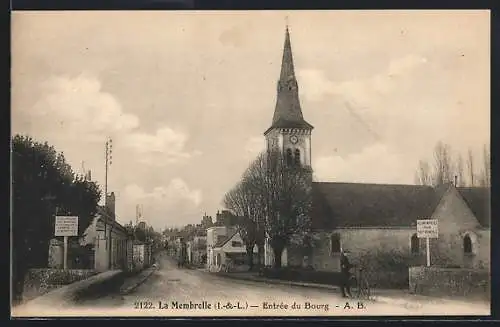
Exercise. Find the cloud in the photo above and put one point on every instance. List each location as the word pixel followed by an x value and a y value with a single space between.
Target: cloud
pixel 376 163
pixel 171 204
pixel 79 106
pixel 166 146
pixel 316 85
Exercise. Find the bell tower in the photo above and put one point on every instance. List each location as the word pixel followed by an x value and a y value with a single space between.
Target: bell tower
pixel 289 132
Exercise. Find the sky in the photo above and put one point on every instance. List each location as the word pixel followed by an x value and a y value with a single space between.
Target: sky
pixel 186 96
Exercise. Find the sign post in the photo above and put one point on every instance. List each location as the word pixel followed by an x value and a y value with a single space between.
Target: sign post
pixel 66 226
pixel 427 228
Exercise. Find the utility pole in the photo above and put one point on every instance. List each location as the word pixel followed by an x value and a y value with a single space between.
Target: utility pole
pixel 109 161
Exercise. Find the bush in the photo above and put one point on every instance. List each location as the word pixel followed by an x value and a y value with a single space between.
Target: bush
pixel 386 269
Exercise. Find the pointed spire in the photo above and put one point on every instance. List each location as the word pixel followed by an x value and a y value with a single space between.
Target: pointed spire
pixel 287 69
pixel 287 113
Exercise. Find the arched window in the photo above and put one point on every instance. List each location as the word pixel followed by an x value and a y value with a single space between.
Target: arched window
pixel 335 243
pixel 467 244
pixel 297 157
pixel 289 158
pixel 415 244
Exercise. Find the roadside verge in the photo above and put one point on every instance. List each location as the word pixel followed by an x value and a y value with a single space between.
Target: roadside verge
pixel 131 283
pixel 66 296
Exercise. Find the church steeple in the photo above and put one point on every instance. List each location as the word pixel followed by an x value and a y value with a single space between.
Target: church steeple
pixel 288 113
pixel 287 69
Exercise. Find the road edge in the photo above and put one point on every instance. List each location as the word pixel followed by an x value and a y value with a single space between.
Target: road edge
pixel 129 289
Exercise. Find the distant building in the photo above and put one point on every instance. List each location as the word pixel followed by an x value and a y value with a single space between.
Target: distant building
pixel 225 218
pixel 197 250
pixel 206 221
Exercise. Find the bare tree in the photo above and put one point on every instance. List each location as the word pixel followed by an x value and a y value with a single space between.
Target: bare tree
pixel 424 173
pixel 459 171
pixel 485 180
pixel 443 168
pixel 239 201
pixel 470 167
pixel 284 192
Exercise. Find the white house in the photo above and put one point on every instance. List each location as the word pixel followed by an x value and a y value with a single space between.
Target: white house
pixel 224 245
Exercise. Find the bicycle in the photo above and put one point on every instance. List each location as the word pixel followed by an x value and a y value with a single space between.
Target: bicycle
pixel 359 284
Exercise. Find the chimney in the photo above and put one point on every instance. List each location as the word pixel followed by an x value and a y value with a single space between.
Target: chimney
pixel 110 205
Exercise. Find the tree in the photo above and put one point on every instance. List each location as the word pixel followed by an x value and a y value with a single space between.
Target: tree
pixel 284 193
pixel 445 169
pixel 239 201
pixel 470 167
pixel 460 171
pixel 43 185
pixel 424 173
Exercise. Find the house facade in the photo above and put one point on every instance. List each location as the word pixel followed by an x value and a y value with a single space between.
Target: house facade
pixel 225 246
pixel 374 223
pixel 109 242
pixel 197 250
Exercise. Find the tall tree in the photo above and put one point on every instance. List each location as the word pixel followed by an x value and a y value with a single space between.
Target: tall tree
pixel 459 172
pixel 445 169
pixel 239 201
pixel 284 192
pixel 424 173
pixel 486 169
pixel 470 168
pixel 443 166
pixel 43 185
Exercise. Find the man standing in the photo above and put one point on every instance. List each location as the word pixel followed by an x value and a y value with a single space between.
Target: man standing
pixel 345 268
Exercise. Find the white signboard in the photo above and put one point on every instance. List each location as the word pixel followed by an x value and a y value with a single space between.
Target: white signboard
pixel 66 226
pixel 427 228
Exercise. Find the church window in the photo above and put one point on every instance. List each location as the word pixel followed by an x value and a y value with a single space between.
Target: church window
pixel 467 244
pixel 335 243
pixel 289 158
pixel 297 157
pixel 415 244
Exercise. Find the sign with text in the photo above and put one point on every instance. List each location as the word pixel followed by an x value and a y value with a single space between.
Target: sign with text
pixel 427 228
pixel 66 226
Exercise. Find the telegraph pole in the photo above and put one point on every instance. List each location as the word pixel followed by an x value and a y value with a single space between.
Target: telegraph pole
pixel 109 161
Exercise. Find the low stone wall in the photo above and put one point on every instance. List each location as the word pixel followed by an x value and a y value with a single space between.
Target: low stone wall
pixel 40 281
pixel 450 282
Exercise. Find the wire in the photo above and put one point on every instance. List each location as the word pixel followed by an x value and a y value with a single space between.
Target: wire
pixel 362 121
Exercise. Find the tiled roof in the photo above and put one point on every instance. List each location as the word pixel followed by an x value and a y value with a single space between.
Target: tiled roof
pixel 371 205
pixel 226 239
pixel 479 201
pixel 103 215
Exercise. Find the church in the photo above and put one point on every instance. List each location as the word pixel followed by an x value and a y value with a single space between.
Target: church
pixel 375 223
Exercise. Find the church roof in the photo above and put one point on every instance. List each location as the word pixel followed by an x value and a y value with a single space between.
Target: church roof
pixel 383 205
pixel 288 113
pixel 479 201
